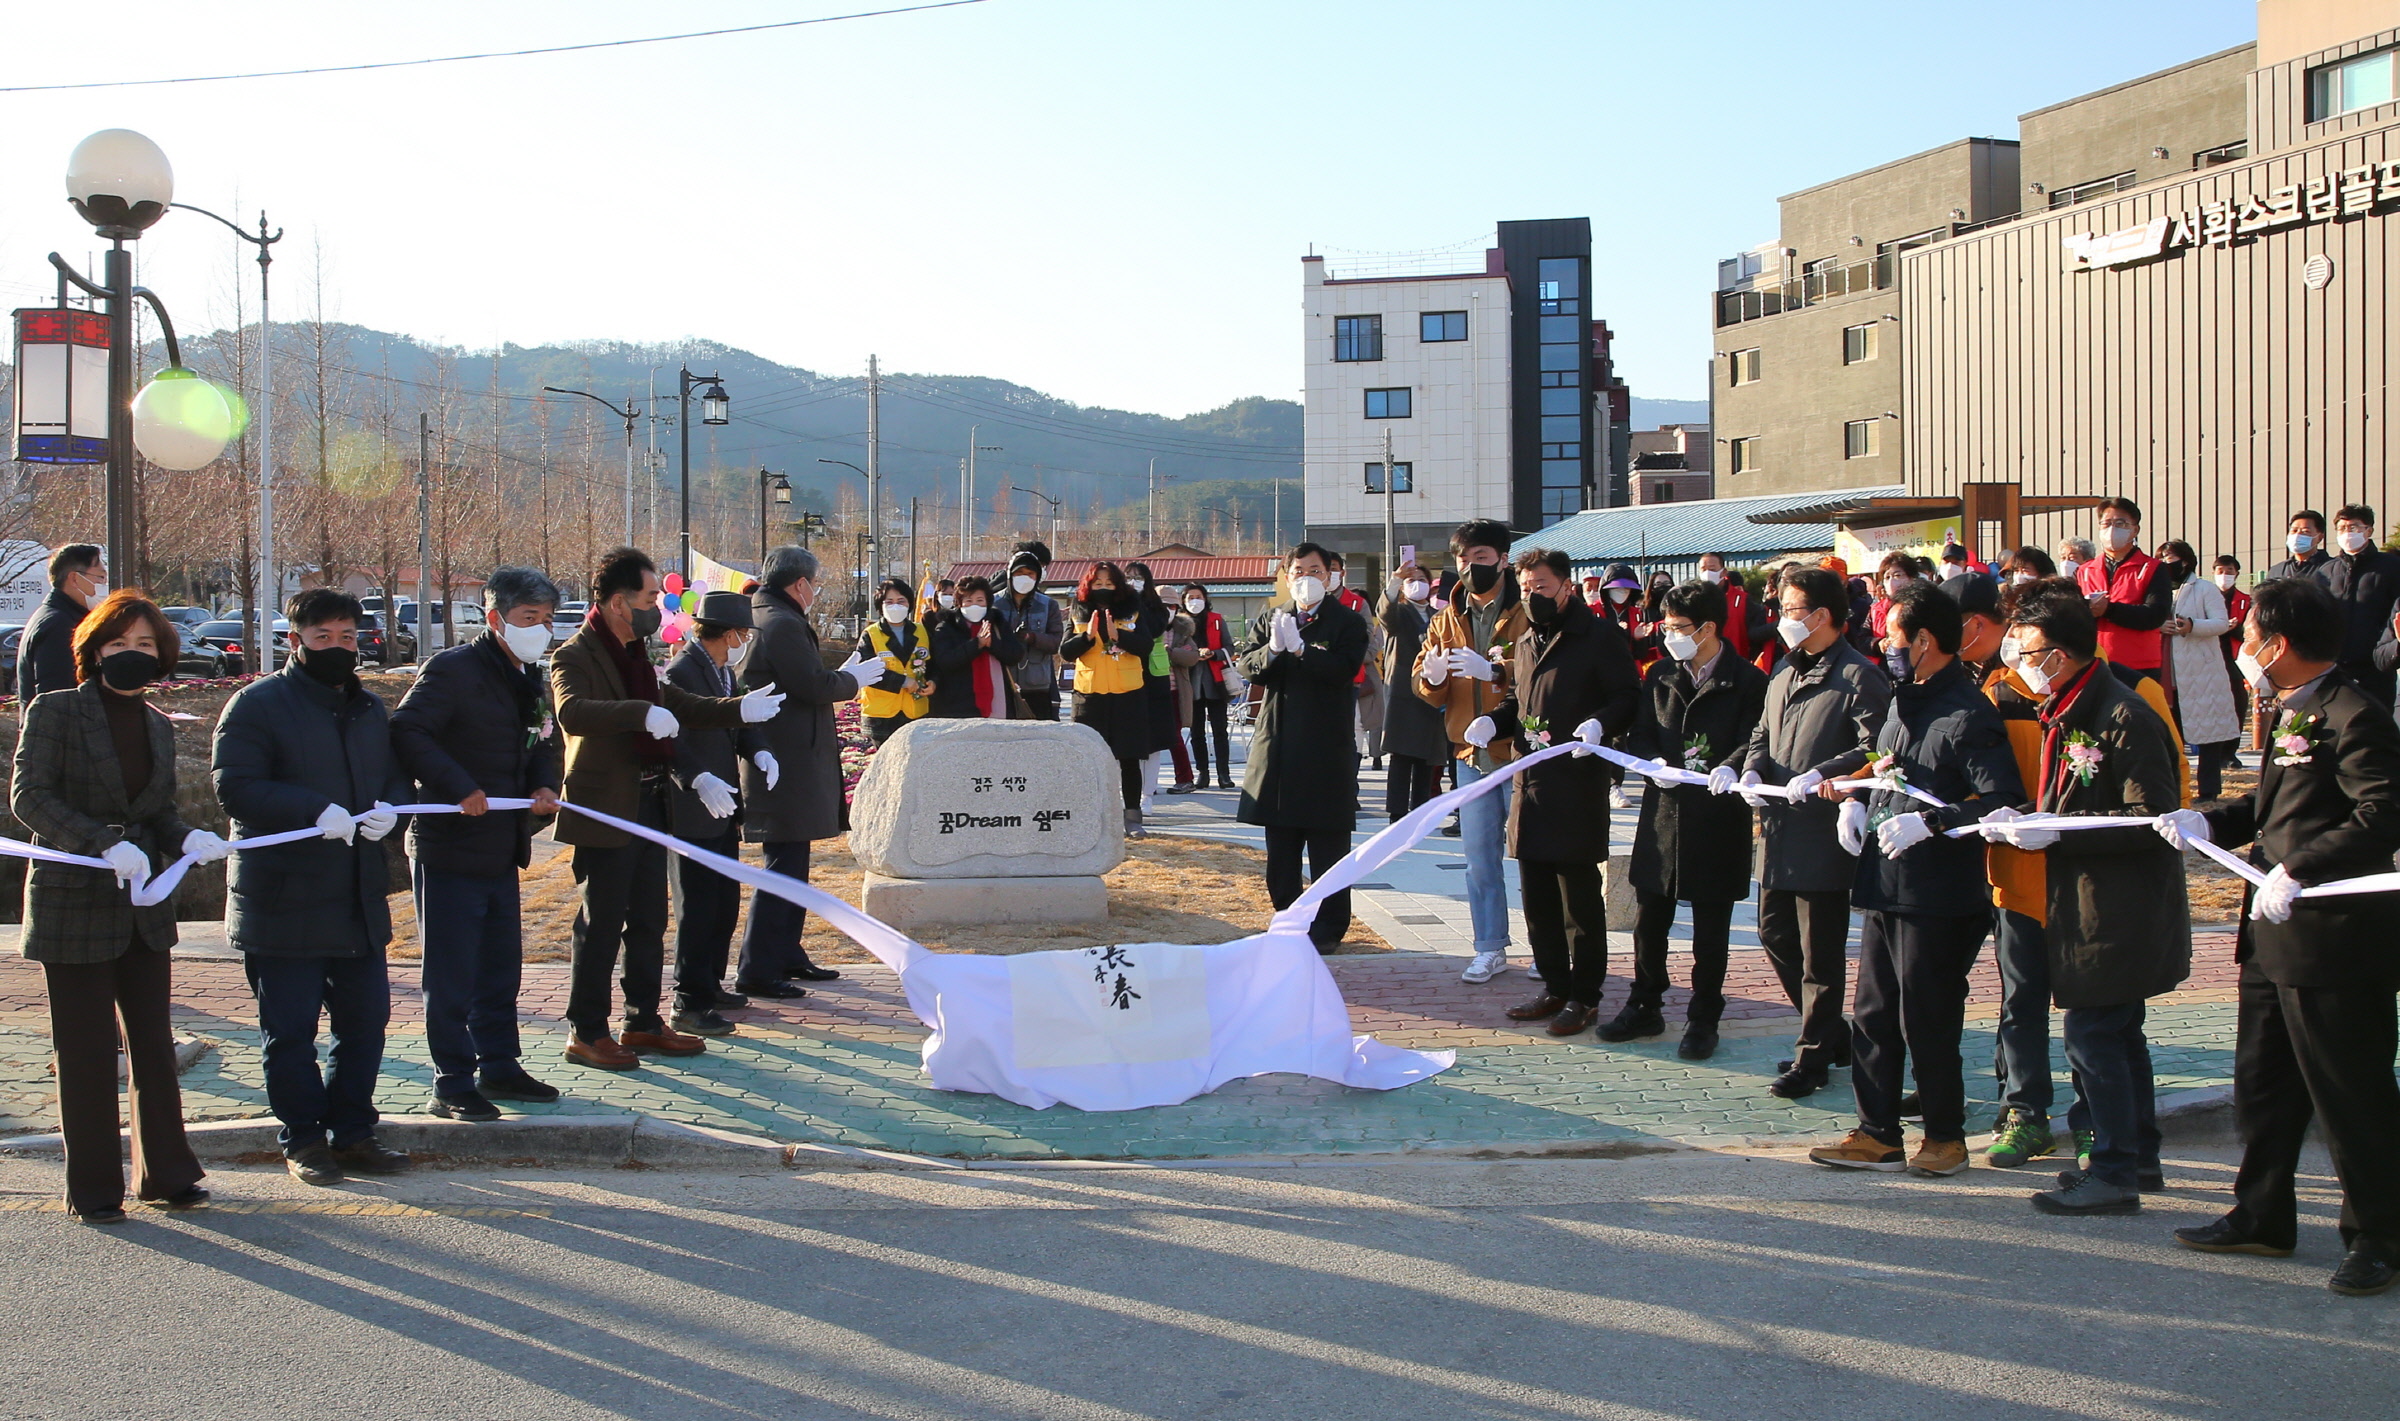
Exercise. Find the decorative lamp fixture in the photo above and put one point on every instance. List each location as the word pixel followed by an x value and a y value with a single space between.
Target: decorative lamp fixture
pixel 62 386
pixel 714 406
pixel 782 489
pixel 120 181
pixel 183 422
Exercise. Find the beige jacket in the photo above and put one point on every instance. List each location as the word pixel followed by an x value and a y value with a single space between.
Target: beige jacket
pixel 1462 698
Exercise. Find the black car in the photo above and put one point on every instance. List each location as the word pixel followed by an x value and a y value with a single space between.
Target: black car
pixel 223 642
pixel 382 647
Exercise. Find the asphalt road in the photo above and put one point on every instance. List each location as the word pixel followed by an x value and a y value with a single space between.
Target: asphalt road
pixel 1684 1285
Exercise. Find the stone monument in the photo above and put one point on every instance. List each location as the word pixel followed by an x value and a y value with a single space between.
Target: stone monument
pixel 959 822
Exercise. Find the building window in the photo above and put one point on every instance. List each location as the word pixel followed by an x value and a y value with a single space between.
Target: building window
pixel 1561 286
pixel 1556 427
pixel 1389 404
pixel 2085 192
pixel 2361 82
pixel 1859 438
pixel 1661 492
pixel 1358 337
pixel 1562 473
pixel 1558 503
pixel 1403 477
pixel 1858 343
pixel 1563 451
pixel 1561 357
pixel 1442 325
pixel 1561 380
pixel 1562 330
pixel 1568 400
pixel 1744 366
pixel 1745 455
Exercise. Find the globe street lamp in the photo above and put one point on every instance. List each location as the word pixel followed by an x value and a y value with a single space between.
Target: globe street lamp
pixel 268 585
pixel 121 183
pixel 780 488
pixel 714 407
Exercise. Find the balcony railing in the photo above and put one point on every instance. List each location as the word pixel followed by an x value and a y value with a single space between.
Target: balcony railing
pixel 1873 274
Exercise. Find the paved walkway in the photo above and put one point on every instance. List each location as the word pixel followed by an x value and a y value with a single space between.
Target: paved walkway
pixel 842 1066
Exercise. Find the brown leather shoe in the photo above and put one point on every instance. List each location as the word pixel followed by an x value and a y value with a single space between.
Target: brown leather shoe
pixel 1575 1017
pixel 1541 1008
pixel 663 1043
pixel 601 1053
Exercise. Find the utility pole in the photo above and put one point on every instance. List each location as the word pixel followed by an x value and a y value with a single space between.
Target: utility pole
pixel 1149 533
pixel 424 534
pixel 874 465
pixel 1391 495
pixel 1278 548
pixel 966 489
pixel 650 494
pixel 912 531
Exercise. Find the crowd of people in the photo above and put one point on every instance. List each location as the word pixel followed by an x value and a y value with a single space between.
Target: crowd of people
pixel 1897 751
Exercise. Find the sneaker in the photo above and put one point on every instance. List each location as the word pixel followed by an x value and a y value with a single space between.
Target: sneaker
pixel 314 1164
pixel 702 1023
pixel 1450 830
pixel 1634 1020
pixel 466 1105
pixel 2089 1196
pixel 2084 1140
pixel 2149 1181
pixel 368 1156
pixel 1939 1157
pixel 1860 1150
pixel 1699 1042
pixel 2022 1136
pixel 1617 800
pixel 1185 788
pixel 1485 967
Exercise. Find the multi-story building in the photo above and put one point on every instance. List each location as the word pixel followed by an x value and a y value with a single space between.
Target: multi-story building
pixel 1671 464
pixel 1481 381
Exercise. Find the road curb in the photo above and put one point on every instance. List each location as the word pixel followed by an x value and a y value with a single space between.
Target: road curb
pixel 606 1140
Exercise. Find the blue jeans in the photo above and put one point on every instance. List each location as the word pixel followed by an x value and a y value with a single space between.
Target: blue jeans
pixel 474 959
pixel 1483 833
pixel 2021 1038
pixel 2113 1083
pixel 355 996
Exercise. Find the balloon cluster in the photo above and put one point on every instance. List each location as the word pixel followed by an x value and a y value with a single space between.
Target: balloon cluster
pixel 677 607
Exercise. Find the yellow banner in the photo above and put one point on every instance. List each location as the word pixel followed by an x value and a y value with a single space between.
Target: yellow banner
pixel 716 576
pixel 1860 549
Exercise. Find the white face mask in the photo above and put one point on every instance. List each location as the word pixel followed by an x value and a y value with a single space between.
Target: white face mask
pixel 1195 605
pixel 2300 544
pixel 1620 595
pixel 98 594
pixel 1333 580
pixel 1308 591
pixel 735 651
pixel 1793 630
pixel 2351 539
pixel 1137 583
pixel 1710 574
pixel 2253 672
pixel 527 644
pixel 2119 536
pixel 2009 654
pixel 1416 589
pixel 946 599
pixel 2225 581
pixel 1022 583
pixel 2067 567
pixel 974 611
pixel 1681 645
pixel 2035 678
pixel 2020 577
pixel 1953 569
pixel 895 612
pixel 1892 585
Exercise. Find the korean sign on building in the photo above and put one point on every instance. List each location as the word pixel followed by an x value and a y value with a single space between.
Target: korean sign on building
pixel 2359 191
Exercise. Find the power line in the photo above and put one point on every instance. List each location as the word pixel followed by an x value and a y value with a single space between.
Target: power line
pixel 491 54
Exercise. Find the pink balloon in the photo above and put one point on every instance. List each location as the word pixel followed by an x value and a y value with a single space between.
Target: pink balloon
pixel 698 589
pixel 674 582
pixel 671 633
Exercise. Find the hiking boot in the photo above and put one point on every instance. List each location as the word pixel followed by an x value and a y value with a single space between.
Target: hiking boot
pixel 2089 1196
pixel 2022 1136
pixel 1637 1019
pixel 1860 1150
pixel 1939 1157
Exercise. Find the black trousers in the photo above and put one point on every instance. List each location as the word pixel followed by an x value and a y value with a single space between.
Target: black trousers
pixel 1911 1007
pixel 1712 941
pixel 2323 1053
pixel 1205 716
pixel 1409 782
pixel 1129 782
pixel 1326 847
pixel 771 949
pixel 2214 757
pixel 1566 918
pixel 624 905
pixel 1042 704
pixel 707 905
pixel 89 1003
pixel 1807 938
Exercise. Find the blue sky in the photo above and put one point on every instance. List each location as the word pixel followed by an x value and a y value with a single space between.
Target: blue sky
pixel 1104 199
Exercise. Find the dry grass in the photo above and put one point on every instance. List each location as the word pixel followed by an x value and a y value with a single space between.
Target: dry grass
pixel 2216 892
pixel 1169 889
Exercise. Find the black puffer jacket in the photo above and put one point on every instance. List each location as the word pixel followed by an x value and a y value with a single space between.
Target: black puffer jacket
pixel 1946 739
pixel 476 720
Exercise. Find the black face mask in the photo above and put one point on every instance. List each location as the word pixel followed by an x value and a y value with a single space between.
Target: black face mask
pixel 1482 577
pixel 645 622
pixel 2174 572
pixel 128 670
pixel 1543 610
pixel 332 665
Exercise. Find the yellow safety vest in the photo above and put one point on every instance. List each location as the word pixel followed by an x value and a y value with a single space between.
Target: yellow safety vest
pixel 882 705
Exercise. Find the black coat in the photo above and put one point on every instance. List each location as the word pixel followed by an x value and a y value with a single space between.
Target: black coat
pixel 1303 767
pixel 1581 669
pixel 2118 921
pixel 1821 717
pixel 1946 739
pixel 711 750
pixel 475 720
pixel 286 747
pixel 2334 815
pixel 69 789
pixel 1412 725
pixel 46 653
pixel 806 802
pixel 954 653
pixel 1693 846
pixel 2367 584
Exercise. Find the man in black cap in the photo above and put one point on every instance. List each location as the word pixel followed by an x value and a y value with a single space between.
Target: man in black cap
pixel 706 811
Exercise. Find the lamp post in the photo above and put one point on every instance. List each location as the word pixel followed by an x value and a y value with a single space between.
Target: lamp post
pixel 874 542
pixel 966 488
pixel 630 414
pixel 1054 506
pixel 713 410
pixel 780 488
pixel 267 582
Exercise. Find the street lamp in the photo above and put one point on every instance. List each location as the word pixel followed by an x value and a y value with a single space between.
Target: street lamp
pixel 714 409
pixel 780 488
pixel 630 414
pixel 267 583
pixel 121 183
pixel 1054 507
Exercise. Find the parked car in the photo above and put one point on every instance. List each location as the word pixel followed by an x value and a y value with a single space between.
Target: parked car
pixel 384 648
pixel 567 618
pixel 186 618
pixel 10 635
pixel 467 616
pixel 227 640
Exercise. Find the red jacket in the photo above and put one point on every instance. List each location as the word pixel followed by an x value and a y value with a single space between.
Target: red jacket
pixel 1356 601
pixel 2128 586
pixel 1736 630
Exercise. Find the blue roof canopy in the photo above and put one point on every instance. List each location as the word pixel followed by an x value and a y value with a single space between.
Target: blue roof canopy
pixel 1672 534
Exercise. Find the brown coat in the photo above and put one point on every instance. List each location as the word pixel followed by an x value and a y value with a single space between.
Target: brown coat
pixel 1462 698
pixel 602 722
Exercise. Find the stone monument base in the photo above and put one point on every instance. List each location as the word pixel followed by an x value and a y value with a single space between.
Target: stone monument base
pixel 911 903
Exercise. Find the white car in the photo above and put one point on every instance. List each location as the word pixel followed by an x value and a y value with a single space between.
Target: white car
pixel 566 618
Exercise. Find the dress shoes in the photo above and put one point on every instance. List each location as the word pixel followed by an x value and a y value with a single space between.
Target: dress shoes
pixel 1793 1084
pixel 190 1196
pixel 2148 1181
pixel 314 1164
pixel 111 1215
pixel 601 1053
pixel 514 1084
pixel 1634 1021
pixel 771 991
pixel 369 1156
pixel 663 1042
pixel 1572 1018
pixel 1540 1008
pixel 702 1023
pixel 811 972
pixel 466 1105
pixel 2363 1274
pixel 2226 1236
pixel 1224 783
pixel 1698 1044
pixel 729 1001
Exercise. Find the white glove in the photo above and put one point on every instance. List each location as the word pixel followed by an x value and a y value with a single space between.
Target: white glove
pixel 1803 784
pixel 204 847
pixel 862 667
pixel 377 822
pixel 1467 661
pixel 1748 790
pixel 337 823
pixel 1994 826
pixel 1590 734
pixel 1721 780
pixel 1902 832
pixel 2274 899
pixel 767 766
pixel 1436 670
pixel 1850 826
pixel 2183 828
pixel 131 864
pixel 1480 731
pixel 761 704
pixel 1285 636
pixel 716 796
pixel 1657 773
pixel 661 723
